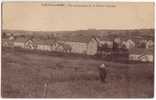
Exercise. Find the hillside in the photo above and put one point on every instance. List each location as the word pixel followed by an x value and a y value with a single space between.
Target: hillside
pixel 81 35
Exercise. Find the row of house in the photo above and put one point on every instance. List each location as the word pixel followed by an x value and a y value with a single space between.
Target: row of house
pixel 85 46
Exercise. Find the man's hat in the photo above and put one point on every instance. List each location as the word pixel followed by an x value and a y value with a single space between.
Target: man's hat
pixel 103 66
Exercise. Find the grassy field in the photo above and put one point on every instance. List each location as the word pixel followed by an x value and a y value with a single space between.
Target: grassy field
pixel 37 74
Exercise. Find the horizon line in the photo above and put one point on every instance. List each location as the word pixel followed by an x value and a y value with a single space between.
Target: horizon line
pixel 77 29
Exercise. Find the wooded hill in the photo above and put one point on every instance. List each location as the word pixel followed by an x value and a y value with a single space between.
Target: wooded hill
pixel 85 35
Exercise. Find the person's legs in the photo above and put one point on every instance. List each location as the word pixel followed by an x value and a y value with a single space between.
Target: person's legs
pixel 102 75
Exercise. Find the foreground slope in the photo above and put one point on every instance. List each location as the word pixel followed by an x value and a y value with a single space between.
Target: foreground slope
pixel 30 74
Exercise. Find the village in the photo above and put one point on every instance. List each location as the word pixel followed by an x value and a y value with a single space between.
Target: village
pixel 92 46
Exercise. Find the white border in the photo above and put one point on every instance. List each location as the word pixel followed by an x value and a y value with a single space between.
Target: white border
pixel 88 1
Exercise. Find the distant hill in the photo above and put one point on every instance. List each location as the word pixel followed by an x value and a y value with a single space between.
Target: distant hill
pixel 82 35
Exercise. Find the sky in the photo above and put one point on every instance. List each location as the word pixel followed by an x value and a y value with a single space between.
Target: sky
pixel 44 16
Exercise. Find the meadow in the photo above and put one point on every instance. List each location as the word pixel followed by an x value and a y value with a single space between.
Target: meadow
pixel 35 74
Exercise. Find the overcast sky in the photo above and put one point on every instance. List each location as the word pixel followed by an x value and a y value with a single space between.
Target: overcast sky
pixel 37 17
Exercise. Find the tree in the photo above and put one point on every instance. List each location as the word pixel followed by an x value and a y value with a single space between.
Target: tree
pixel 4 35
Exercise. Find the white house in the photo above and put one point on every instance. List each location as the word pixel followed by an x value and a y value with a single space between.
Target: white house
pixel 78 47
pixel 129 44
pixel 140 57
pixel 92 47
pixel 149 44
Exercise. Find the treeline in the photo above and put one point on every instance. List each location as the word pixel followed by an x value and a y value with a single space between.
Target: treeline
pixel 81 35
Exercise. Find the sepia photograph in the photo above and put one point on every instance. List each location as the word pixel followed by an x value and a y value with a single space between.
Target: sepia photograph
pixel 77 49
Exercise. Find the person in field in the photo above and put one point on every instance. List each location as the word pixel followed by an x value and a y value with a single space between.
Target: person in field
pixel 102 72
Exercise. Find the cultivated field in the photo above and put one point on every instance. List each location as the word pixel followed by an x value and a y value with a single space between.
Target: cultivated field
pixel 39 74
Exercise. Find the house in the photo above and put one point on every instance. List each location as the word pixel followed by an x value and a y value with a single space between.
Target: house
pixel 11 38
pixel 129 44
pixel 92 47
pixel 5 43
pixel 137 54
pixel 78 47
pixel 29 44
pixel 8 42
pixel 116 44
pixel 141 57
pixel 117 40
pixel 149 44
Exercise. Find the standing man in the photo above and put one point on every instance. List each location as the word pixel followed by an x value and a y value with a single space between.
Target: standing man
pixel 102 72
